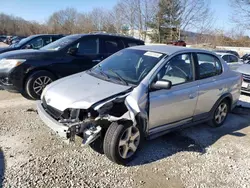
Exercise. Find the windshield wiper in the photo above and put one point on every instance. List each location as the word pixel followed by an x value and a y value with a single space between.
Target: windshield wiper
pixel 121 79
pixel 102 72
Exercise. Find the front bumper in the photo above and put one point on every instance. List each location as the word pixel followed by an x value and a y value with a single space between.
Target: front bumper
pixel 9 87
pixel 62 130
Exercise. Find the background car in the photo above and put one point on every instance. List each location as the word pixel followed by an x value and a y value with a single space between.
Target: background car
pixel 29 71
pixel 2 38
pixel 233 61
pixel 32 42
pixel 177 43
pixel 228 52
pixel 246 58
pixel 16 39
pixel 137 93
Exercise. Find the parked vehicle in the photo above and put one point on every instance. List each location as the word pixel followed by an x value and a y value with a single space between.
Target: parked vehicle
pixel 16 39
pixel 177 43
pixel 229 52
pixel 140 92
pixel 245 70
pixel 29 71
pixel 2 38
pixel 233 61
pixel 32 42
pixel 246 58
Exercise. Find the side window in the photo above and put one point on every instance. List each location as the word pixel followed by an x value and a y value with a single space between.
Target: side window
pixel 47 40
pixel 112 45
pixel 54 38
pixel 35 43
pixel 88 46
pixel 233 59
pixel 225 58
pixel 130 43
pixel 209 66
pixel 178 70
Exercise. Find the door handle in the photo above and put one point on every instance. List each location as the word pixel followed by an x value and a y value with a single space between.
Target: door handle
pixel 96 60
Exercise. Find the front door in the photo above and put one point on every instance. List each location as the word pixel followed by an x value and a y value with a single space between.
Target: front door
pixel 88 54
pixel 177 104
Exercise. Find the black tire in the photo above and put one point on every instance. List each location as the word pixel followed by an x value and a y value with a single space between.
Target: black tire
pixel 111 142
pixel 214 121
pixel 31 80
pixel 97 145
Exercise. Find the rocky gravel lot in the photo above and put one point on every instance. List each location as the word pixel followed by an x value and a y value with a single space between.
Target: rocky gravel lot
pixel 32 156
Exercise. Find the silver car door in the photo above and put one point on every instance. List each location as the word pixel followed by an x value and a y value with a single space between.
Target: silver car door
pixel 211 83
pixel 176 104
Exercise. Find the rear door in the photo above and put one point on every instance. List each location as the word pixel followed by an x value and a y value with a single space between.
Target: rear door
pixel 110 45
pixel 211 83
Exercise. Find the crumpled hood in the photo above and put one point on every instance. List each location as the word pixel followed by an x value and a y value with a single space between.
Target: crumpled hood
pixel 244 69
pixel 80 91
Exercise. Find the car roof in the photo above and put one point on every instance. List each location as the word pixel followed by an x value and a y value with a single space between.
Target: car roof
pixel 105 34
pixel 168 49
pixel 38 35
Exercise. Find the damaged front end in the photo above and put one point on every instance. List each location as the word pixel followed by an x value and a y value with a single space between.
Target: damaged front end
pixel 92 122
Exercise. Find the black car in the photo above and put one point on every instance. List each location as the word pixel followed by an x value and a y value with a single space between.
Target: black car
pixel 229 51
pixel 29 71
pixel 32 42
pixel 16 39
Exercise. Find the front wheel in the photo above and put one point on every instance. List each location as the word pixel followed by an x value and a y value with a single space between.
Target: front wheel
pixel 36 82
pixel 121 142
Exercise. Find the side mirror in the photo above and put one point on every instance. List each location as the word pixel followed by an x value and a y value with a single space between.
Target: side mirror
pixel 72 51
pixel 161 84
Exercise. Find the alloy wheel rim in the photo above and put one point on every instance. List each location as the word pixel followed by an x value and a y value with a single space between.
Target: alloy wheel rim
pixel 40 83
pixel 129 142
pixel 221 113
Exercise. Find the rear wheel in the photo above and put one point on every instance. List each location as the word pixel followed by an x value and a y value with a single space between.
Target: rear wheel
pixel 220 114
pixel 121 142
pixel 36 82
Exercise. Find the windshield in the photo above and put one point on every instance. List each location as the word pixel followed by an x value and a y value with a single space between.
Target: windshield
pixel 23 41
pixel 128 66
pixel 61 43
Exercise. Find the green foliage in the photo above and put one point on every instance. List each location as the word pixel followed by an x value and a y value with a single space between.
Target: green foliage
pixel 166 22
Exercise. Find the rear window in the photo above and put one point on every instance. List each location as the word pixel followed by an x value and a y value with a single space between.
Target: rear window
pixel 130 43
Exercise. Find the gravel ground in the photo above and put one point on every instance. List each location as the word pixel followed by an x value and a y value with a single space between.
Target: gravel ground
pixel 32 156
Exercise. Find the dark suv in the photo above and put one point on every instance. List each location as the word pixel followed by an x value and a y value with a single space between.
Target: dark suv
pixel 29 71
pixel 32 42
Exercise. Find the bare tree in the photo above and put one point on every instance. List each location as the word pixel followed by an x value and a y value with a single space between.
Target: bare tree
pixel 195 13
pixel 241 13
pixel 63 21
